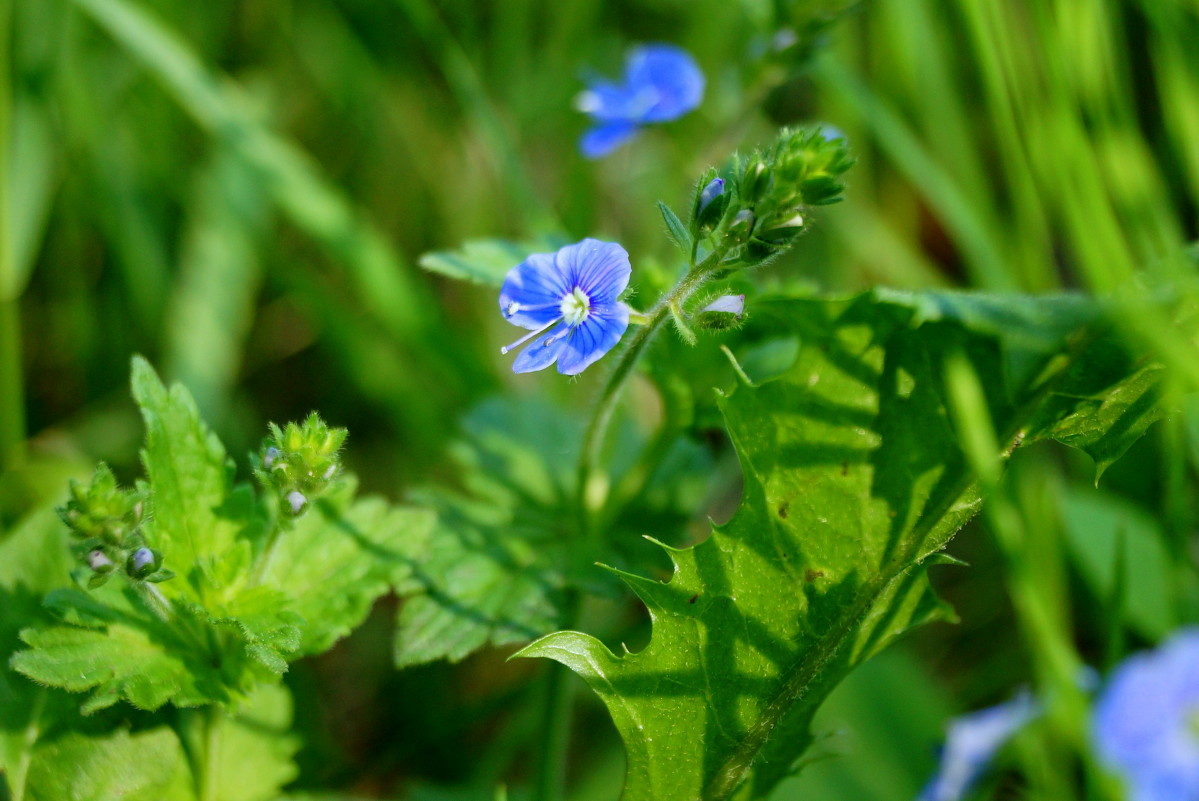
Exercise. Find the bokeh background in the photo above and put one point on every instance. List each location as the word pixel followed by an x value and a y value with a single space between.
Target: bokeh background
pixel 243 195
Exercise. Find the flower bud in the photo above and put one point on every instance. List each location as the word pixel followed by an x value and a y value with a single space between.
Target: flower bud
pixel 300 461
pixel 296 501
pixel 98 561
pixel 721 314
pixel 142 563
pixel 783 232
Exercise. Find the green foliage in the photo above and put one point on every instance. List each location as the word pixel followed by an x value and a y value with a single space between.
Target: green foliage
pixel 504 551
pixel 139 767
pixel 854 481
pixel 252 593
pixel 486 261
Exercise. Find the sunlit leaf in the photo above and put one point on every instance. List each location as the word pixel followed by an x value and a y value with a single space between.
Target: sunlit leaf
pixel 853 483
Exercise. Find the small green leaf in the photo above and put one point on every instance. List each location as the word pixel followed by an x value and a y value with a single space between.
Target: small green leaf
pixel 854 480
pixel 148 766
pixel 674 226
pixel 486 261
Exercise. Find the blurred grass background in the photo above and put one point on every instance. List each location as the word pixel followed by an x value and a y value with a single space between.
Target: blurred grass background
pixel 240 191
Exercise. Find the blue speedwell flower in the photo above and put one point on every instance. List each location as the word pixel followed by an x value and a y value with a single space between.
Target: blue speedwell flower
pixel 1146 723
pixel 661 83
pixel 571 302
pixel 971 744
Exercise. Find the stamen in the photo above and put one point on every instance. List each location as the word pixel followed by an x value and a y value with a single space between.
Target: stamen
pixel 529 336
pixel 515 306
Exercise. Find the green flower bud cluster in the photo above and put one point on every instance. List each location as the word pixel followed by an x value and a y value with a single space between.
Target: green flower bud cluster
pixel 105 522
pixel 764 197
pixel 300 462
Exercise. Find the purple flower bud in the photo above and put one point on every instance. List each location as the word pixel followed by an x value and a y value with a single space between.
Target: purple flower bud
pixel 269 457
pixel 142 558
pixel 297 500
pixel 733 304
pixel 98 560
pixel 712 191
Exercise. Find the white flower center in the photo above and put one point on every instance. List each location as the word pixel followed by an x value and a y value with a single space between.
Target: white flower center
pixel 575 307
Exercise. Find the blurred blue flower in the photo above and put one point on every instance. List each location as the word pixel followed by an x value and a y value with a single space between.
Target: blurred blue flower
pixel 578 288
pixel 661 83
pixel 1146 724
pixel 972 742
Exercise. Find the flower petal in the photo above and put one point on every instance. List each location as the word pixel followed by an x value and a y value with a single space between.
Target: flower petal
pixel 536 286
pixel 543 351
pixel 674 76
pixel 1143 720
pixel 601 140
pixel 594 337
pixel 609 102
pixel 971 744
pixel 600 269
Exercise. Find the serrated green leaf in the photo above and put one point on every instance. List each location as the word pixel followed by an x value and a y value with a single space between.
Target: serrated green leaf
pixel 190 475
pixel 674 226
pixel 339 559
pixel 486 261
pixel 128 653
pixel 853 481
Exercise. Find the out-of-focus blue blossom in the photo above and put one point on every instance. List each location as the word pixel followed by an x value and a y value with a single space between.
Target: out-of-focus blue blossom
pixel 1146 724
pixel 570 301
pixel 971 743
pixel 831 133
pixel 661 83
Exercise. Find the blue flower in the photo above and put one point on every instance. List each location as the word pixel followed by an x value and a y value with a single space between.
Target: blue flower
pixel 1146 723
pixel 570 301
pixel 972 742
pixel 661 83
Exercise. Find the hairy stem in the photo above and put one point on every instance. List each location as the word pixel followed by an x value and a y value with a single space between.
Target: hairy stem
pixel 593 492
pixel 155 601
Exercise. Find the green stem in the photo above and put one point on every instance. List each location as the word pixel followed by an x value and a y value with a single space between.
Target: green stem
pixel 155 601
pixel 550 779
pixel 211 770
pixel 262 565
pixel 593 492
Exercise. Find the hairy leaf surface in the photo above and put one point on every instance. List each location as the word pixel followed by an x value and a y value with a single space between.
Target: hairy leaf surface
pixel 853 483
